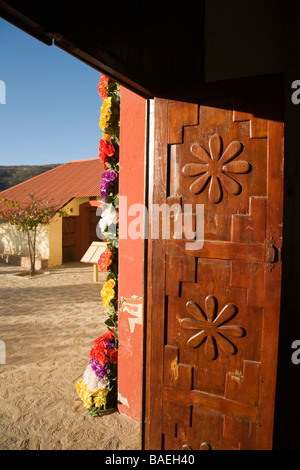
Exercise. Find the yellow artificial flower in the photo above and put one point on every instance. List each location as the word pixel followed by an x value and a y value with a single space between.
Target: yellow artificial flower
pixel 104 121
pixel 89 398
pixel 84 393
pixel 100 398
pixel 107 292
pixel 106 103
pixel 109 284
pixel 105 114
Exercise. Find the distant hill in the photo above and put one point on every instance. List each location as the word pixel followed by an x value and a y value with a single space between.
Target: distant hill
pixel 12 175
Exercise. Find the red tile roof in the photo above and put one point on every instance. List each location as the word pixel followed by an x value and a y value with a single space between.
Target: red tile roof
pixel 78 178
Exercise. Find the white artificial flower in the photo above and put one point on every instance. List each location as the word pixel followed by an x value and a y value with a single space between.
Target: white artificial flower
pixel 108 217
pixel 91 380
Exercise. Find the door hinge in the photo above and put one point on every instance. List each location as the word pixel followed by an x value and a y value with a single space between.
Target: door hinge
pixel 271 254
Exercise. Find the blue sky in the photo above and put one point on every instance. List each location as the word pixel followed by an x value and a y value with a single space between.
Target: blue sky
pixel 52 108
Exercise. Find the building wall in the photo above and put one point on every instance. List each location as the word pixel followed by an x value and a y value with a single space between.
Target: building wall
pixel 131 254
pixel 13 242
pixel 55 230
pixel 72 208
pixel 55 242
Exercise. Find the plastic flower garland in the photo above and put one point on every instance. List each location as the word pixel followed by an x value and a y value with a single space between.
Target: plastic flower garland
pixel 98 387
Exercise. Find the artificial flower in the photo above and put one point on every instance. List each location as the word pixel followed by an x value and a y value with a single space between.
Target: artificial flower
pixel 110 344
pixel 103 343
pixel 99 399
pixel 89 398
pixel 103 122
pixel 108 177
pixel 106 104
pixel 101 370
pixel 109 335
pixel 106 147
pixel 91 380
pixel 102 86
pixel 105 114
pixel 107 292
pixel 113 356
pixel 108 285
pixel 99 352
pixel 105 260
pixel 84 393
pixel 103 159
pixel 109 217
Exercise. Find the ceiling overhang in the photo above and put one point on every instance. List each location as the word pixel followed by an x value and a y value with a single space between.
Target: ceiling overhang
pixel 163 48
pixel 128 43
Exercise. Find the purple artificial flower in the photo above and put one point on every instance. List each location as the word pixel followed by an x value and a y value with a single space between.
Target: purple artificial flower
pixel 100 370
pixel 108 177
pixel 110 344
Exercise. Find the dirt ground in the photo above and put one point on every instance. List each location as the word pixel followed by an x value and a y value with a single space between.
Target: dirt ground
pixel 48 325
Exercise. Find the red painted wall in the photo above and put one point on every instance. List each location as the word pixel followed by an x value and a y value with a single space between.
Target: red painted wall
pixel 131 254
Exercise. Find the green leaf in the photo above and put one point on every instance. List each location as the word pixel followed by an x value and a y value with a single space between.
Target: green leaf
pixel 109 322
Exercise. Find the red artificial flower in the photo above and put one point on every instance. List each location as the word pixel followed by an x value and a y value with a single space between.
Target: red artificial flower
pixel 113 356
pixel 105 260
pixel 101 356
pixel 92 353
pixel 102 87
pixel 103 158
pixel 108 335
pixel 100 352
pixel 106 147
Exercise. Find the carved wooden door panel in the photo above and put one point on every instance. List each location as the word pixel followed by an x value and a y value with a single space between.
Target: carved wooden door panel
pixel 213 313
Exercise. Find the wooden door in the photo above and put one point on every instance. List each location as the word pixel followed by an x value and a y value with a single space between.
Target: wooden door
pixel 93 222
pixel 213 313
pixel 69 229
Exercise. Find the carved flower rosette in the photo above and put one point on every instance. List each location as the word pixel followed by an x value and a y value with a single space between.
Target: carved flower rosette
pixel 212 327
pixel 215 169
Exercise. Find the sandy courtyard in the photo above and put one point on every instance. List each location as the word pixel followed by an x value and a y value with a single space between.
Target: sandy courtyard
pixel 48 325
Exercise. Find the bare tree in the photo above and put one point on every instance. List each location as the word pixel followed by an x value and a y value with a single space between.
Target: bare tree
pixel 27 219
